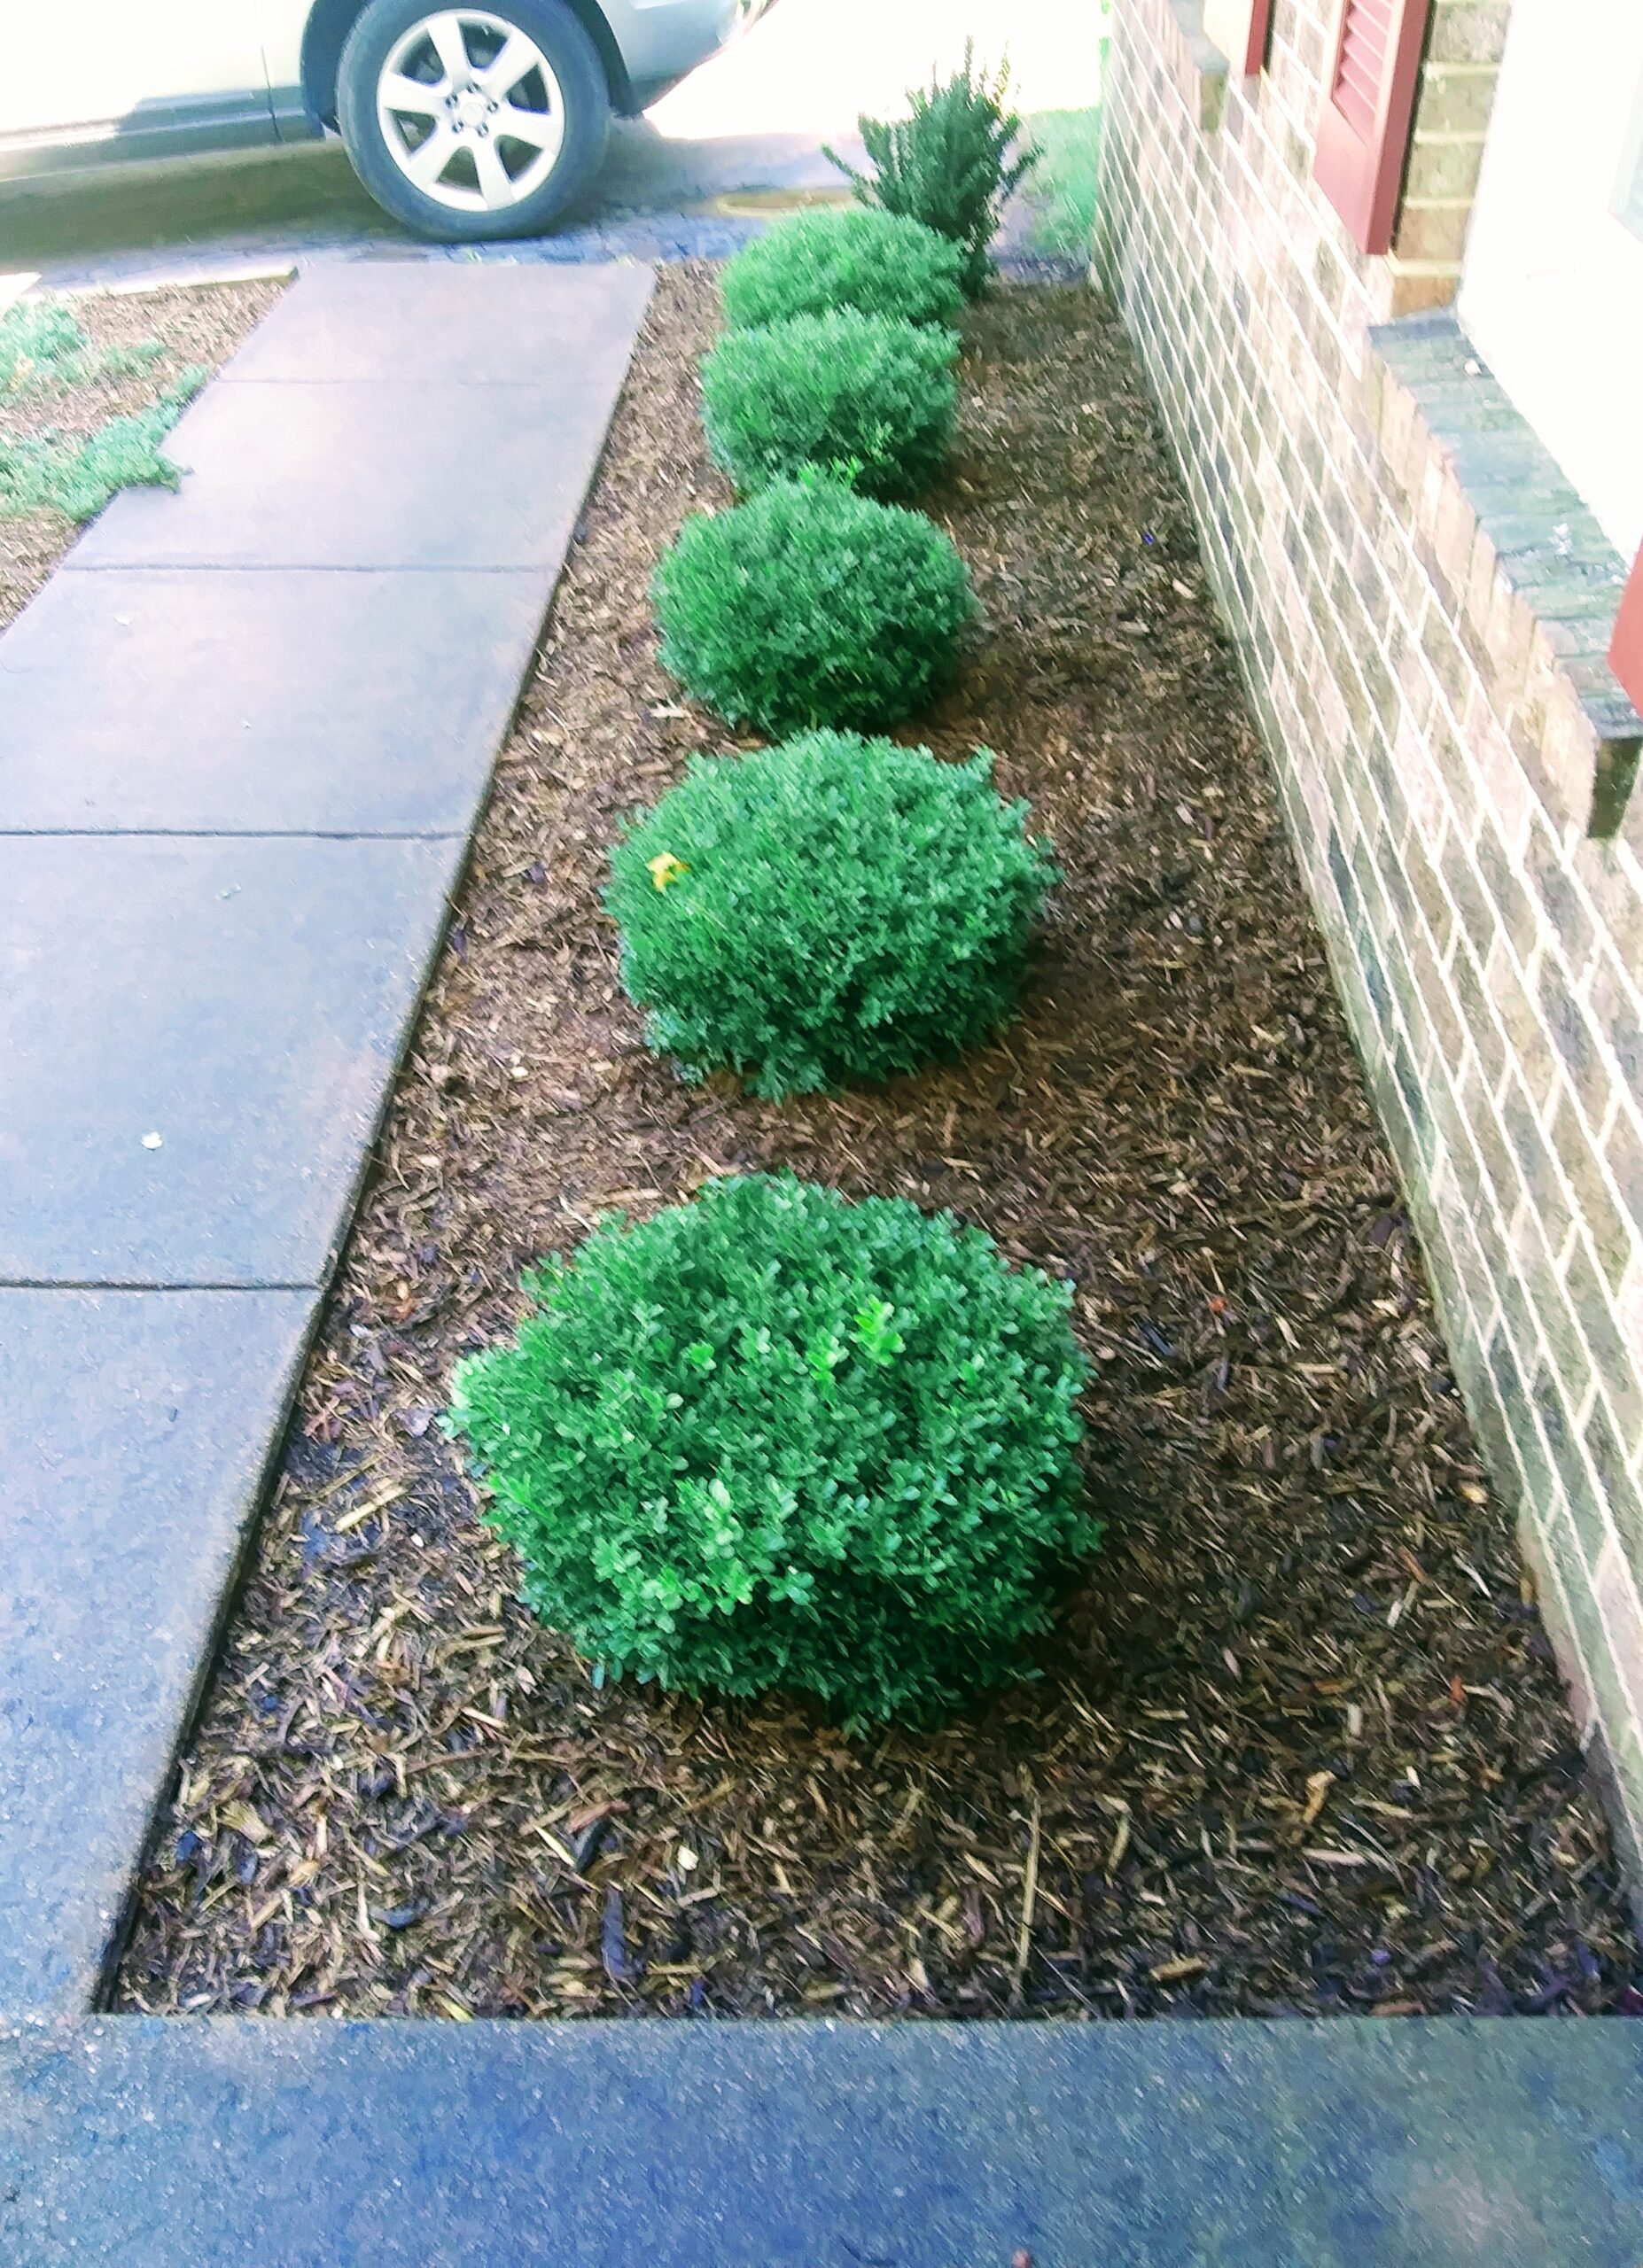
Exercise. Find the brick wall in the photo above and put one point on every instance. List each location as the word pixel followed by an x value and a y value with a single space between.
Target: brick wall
pixel 1456 87
pixel 1419 603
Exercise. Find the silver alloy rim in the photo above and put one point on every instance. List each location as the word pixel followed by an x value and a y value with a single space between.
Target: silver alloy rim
pixel 471 111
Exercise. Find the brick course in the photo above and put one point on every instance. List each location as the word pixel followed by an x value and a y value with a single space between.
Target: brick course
pixel 1421 608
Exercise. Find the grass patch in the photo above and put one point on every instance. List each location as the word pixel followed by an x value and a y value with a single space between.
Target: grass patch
pixel 91 384
pixel 76 474
pixel 1061 190
pixel 44 350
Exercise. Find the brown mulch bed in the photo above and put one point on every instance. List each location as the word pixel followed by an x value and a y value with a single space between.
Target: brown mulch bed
pixel 195 327
pixel 1299 1743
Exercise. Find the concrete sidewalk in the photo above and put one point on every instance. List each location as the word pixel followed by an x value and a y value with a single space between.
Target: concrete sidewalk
pixel 302 2143
pixel 244 733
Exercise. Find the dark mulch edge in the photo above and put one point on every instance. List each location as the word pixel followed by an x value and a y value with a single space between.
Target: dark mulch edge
pixel 1299 1743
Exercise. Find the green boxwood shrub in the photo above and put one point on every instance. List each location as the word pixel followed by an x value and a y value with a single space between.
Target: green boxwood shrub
pixel 810 605
pixel 773 1439
pixel 832 909
pixel 877 262
pixel 863 393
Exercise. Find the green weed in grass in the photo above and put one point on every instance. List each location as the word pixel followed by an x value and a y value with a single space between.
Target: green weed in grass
pixel 42 348
pixel 1061 191
pixel 76 474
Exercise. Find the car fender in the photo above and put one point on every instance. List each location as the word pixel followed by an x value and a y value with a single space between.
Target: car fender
pixel 303 46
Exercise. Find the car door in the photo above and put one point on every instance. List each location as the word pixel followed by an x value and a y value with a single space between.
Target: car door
pixel 84 80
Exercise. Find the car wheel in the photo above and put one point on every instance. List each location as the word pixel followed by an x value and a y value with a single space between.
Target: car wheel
pixel 469 122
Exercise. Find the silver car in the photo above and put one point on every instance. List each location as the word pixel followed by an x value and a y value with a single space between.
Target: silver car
pixel 464 122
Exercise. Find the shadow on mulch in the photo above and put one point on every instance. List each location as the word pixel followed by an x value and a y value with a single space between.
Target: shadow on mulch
pixel 1299 1743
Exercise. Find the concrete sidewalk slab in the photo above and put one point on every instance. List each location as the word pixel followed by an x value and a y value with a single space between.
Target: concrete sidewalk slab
pixel 226 700
pixel 362 473
pixel 134 1430
pixel 1341 2144
pixel 199 1036
pixel 472 324
pixel 234 800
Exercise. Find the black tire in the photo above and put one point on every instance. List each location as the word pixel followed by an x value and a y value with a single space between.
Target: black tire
pixel 570 54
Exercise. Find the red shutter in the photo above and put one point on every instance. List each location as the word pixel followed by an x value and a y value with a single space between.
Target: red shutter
pixel 1238 27
pixel 1625 653
pixel 1363 136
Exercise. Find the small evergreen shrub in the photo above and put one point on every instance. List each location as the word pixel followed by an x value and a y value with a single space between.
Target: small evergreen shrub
pixel 810 605
pixel 948 163
pixel 876 262
pixel 833 909
pixel 773 1439
pixel 838 390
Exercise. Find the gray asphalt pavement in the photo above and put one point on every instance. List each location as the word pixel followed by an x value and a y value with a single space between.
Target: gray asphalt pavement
pixel 656 200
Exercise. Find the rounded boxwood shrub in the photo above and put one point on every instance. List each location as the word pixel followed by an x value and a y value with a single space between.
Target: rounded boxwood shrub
pixel 864 392
pixel 877 262
pixel 811 605
pixel 773 1439
pixel 832 909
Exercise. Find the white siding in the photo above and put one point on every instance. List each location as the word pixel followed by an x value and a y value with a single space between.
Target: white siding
pixel 1553 293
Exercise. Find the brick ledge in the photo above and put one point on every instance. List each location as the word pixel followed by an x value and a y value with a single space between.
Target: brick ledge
pixel 1530 581
pixel 1197 64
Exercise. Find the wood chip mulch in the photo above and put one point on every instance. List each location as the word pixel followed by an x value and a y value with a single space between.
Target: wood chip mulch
pixel 195 327
pixel 1299 1744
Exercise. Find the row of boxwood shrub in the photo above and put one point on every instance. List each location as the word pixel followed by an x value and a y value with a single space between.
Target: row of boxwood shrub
pixel 840 908
pixel 813 603
pixel 772 1438
pixel 838 353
